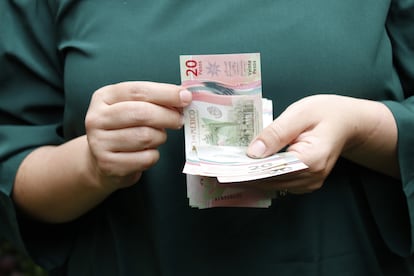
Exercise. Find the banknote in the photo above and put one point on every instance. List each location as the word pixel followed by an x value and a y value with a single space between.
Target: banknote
pixel 232 69
pixel 226 113
pixel 256 173
pixel 227 99
pixel 233 161
pixel 207 192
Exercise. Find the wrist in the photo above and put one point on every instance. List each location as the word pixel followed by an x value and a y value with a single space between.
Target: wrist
pixel 373 140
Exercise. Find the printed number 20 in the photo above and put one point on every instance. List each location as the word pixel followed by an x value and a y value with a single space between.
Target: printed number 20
pixel 192 64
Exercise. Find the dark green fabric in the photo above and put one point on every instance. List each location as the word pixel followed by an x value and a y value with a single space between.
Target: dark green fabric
pixel 55 54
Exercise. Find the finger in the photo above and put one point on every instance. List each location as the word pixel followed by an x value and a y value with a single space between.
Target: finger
pixel 301 181
pixel 284 129
pixel 120 164
pixel 132 139
pixel 275 181
pixel 132 114
pixel 157 93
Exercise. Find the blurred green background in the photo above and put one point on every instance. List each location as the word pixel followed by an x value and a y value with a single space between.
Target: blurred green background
pixel 13 263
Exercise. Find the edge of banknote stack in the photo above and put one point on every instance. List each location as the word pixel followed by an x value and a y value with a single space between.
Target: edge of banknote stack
pixel 226 113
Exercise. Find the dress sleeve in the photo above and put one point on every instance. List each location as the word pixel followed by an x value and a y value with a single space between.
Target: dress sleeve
pixel 392 209
pixel 31 112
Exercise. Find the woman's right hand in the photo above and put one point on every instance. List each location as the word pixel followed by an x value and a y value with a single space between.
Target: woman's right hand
pixel 125 124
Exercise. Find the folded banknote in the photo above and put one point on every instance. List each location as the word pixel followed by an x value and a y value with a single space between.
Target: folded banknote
pixel 226 113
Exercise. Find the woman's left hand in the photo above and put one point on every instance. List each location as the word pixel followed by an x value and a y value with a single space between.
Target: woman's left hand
pixel 318 129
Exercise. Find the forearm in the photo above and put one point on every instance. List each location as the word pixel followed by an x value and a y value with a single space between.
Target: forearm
pixel 57 183
pixel 374 144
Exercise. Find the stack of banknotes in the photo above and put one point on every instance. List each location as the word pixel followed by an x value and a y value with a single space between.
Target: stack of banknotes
pixel 226 113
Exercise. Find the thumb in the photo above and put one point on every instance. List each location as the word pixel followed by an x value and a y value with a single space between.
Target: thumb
pixel 280 133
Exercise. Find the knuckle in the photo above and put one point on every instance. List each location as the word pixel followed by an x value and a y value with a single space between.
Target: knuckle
pixel 91 121
pixel 275 131
pixel 106 165
pixel 145 135
pixel 139 115
pixel 111 168
pixel 139 92
pixel 151 158
pixel 163 137
pixel 99 95
pixel 94 118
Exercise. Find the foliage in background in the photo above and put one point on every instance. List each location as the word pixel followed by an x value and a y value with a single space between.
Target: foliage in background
pixel 13 263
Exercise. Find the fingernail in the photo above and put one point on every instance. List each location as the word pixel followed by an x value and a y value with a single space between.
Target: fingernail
pixel 257 149
pixel 185 96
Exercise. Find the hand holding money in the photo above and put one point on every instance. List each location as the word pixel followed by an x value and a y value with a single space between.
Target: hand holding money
pixel 327 127
pixel 225 115
pixel 130 109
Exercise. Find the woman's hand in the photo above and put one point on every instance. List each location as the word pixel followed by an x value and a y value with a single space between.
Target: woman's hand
pixel 318 129
pixel 126 123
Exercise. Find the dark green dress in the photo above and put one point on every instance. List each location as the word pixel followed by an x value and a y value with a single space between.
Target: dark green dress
pixel 54 54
